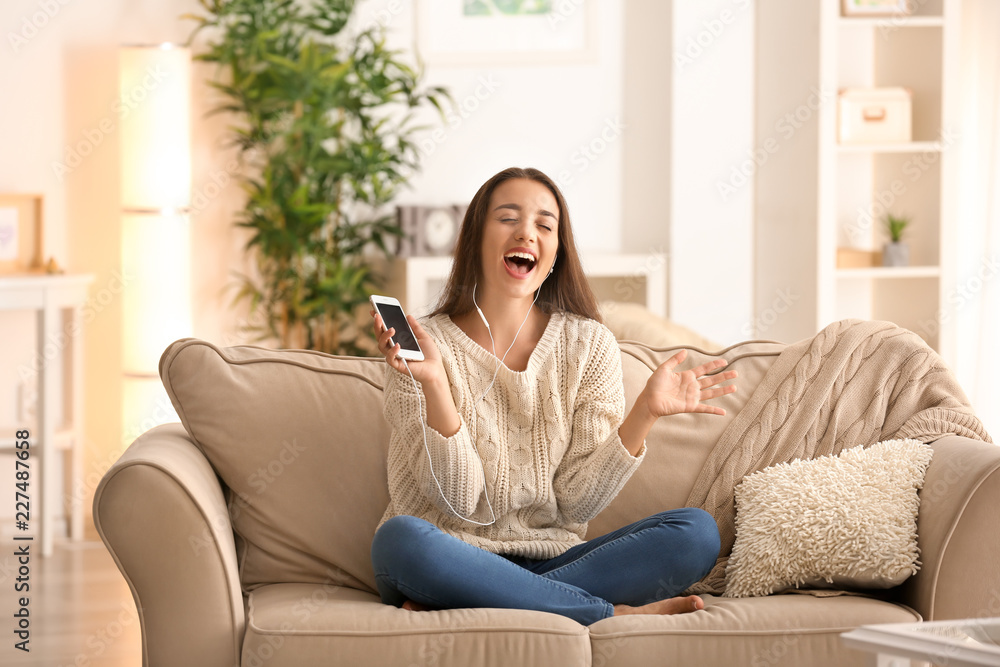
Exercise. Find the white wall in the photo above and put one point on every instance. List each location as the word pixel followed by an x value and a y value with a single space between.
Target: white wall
pixel 785 169
pixel 646 167
pixel 973 293
pixel 566 120
pixel 711 230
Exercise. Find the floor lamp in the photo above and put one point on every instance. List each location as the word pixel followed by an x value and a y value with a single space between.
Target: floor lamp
pixel 155 133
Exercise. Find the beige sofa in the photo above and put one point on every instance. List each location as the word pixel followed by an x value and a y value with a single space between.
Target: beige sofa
pixel 244 533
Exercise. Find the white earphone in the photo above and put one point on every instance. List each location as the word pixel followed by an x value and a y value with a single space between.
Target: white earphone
pixel 499 363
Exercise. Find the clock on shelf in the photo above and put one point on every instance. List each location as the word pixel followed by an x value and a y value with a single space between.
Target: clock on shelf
pixel 429 231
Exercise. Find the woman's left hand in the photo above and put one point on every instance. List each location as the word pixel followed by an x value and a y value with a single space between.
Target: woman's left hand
pixel 668 392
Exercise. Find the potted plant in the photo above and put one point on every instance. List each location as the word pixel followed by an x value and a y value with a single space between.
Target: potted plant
pixel 324 128
pixel 896 252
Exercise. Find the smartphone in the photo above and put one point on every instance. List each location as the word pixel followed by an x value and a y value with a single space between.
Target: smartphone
pixel 393 318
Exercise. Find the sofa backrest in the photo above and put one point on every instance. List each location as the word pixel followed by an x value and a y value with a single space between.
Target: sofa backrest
pixel 299 442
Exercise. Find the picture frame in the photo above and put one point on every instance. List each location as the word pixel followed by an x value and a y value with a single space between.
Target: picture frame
pixel 463 33
pixel 21 225
pixel 875 8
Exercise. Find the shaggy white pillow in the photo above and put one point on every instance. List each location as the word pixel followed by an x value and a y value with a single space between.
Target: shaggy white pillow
pixel 846 521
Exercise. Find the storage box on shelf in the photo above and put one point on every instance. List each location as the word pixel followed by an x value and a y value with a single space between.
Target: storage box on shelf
pixel 875 116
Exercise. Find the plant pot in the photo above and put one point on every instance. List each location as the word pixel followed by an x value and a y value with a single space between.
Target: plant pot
pixel 896 254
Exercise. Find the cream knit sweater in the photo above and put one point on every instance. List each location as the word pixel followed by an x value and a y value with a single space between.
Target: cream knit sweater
pixel 548 437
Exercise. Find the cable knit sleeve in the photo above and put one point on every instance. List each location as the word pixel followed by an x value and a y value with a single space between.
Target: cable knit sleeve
pixel 596 465
pixel 455 461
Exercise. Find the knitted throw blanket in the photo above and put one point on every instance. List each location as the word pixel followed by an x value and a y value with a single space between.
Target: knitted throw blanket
pixel 855 382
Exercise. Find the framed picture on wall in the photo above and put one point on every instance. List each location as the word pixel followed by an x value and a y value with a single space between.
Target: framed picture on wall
pixel 20 233
pixel 506 32
pixel 875 7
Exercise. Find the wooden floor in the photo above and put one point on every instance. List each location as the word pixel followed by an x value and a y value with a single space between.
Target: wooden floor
pixel 80 608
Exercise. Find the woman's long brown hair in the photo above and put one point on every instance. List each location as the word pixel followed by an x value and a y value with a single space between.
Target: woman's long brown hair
pixel 566 289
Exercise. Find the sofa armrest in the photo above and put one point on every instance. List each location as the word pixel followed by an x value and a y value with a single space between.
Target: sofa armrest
pixel 161 512
pixel 956 527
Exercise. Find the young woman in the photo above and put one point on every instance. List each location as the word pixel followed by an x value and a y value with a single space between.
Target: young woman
pixel 509 436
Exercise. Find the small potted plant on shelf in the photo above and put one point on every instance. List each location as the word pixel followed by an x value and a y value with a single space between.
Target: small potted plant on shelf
pixel 896 252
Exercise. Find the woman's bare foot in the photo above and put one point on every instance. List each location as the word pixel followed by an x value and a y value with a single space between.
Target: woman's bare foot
pixel 676 605
pixel 414 606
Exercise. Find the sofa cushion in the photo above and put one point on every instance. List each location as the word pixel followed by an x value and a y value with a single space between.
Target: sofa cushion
pixel 678 446
pixel 844 521
pixel 777 631
pixel 634 322
pixel 299 440
pixel 300 624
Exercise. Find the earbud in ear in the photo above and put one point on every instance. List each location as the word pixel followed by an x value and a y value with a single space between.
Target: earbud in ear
pixel 553 267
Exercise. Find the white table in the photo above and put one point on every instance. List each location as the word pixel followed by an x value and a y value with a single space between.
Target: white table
pixel 57 301
pixel 417 281
pixel 957 643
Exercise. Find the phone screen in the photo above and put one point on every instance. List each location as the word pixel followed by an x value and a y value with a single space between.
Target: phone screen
pixel 393 318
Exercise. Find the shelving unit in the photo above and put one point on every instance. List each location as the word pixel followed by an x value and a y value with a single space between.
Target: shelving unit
pixel 888 272
pixel 859 184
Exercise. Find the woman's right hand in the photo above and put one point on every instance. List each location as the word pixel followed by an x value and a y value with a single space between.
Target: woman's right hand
pixel 430 370
pixel 442 415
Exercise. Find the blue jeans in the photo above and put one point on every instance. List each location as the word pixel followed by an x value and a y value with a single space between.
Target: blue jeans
pixel 653 559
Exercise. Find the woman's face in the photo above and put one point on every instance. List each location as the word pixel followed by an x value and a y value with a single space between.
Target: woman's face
pixel 520 237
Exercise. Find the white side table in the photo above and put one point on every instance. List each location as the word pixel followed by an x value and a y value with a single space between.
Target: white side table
pixel 417 281
pixel 59 353
pixel 957 643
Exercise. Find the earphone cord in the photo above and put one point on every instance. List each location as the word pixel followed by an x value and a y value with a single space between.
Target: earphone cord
pixel 423 430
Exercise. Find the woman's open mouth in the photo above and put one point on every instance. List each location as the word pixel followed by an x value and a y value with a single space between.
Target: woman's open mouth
pixel 519 264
